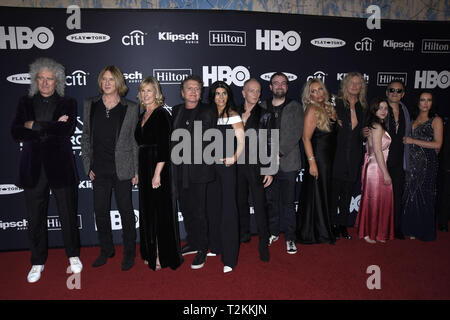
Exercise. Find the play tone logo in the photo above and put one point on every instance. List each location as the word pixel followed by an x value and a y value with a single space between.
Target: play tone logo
pixel 328 42
pixel 88 37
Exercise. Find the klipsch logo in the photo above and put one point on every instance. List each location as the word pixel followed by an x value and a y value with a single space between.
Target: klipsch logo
pixel 88 37
pixel 341 75
pixel 431 79
pixel 171 76
pixel 9 189
pixel 237 76
pixel 328 42
pixel 268 75
pixel 366 44
pixel 188 38
pixel 26 38
pixel 227 38
pixel 18 225
pixel 384 78
pixel 405 45
pixel 19 78
pixel 275 40
pixel 135 38
pixel 436 46
pixel 135 77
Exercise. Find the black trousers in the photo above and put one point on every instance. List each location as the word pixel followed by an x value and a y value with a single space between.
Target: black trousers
pixel 249 180
pixel 102 187
pixel 223 216
pixel 398 185
pixel 36 202
pixel 341 197
pixel 281 207
pixel 192 203
pixel 443 204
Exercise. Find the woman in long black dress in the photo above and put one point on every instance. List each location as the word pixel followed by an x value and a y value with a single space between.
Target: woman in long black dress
pixel 319 139
pixel 158 219
pixel 222 203
pixel 420 189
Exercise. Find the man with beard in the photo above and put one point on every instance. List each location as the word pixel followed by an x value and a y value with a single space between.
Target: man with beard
pixel 287 116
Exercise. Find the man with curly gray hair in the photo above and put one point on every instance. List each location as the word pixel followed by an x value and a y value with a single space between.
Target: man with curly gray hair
pixel 44 122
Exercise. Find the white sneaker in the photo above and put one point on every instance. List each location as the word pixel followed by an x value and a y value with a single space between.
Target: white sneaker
pixel 227 269
pixel 291 247
pixel 35 273
pixel 75 264
pixel 272 239
pixel 211 254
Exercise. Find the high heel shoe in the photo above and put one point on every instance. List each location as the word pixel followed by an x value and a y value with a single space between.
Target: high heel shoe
pixel 344 233
pixel 369 240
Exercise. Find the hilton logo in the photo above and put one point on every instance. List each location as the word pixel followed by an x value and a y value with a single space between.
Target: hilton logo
pixel 384 78
pixel 435 46
pixel 171 76
pixel 53 223
pixel 227 38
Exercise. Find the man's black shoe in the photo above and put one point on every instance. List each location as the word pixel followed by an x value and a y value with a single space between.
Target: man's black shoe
pixel 245 237
pixel 199 260
pixel 127 262
pixel 344 233
pixel 187 249
pixel 101 260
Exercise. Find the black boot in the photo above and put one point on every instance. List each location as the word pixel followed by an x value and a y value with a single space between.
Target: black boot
pixel 101 260
pixel 344 233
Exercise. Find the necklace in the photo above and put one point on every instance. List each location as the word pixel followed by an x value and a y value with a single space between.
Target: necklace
pixel 107 112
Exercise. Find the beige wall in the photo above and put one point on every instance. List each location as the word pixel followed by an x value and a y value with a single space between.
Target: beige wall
pixel 395 9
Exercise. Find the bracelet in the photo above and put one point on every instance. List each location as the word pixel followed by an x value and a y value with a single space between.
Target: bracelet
pixel 311 158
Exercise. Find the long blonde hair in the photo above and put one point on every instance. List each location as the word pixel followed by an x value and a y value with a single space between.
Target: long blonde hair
pixel 158 93
pixel 323 112
pixel 343 91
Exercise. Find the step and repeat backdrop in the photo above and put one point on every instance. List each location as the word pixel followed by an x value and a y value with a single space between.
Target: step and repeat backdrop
pixel 216 45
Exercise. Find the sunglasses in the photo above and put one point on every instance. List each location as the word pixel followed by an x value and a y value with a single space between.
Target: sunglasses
pixel 392 90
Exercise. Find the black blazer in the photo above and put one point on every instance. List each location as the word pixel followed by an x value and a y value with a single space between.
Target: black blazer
pixel 49 146
pixel 198 173
pixel 349 148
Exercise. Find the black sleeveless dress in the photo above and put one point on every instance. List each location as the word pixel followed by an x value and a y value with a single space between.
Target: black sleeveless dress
pixel 314 225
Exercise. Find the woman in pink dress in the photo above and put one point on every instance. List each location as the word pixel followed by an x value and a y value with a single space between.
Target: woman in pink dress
pixel 375 219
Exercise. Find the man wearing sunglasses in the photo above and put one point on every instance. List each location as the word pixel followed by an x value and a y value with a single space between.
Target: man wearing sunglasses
pixel 398 125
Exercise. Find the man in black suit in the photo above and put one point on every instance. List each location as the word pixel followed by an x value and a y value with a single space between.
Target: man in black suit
pixel 44 122
pixel 190 173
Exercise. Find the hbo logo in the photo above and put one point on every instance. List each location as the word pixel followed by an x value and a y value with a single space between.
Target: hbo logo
pixel 238 75
pixel 275 40
pixel 430 79
pixel 25 38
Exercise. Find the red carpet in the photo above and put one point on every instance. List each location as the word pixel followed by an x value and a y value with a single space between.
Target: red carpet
pixel 409 269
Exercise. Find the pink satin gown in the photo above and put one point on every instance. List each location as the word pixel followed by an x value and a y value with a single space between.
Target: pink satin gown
pixel 376 210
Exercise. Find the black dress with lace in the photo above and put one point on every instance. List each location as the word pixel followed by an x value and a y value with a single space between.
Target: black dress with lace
pixel 420 187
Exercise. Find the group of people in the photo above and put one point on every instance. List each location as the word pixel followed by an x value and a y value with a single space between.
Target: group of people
pixel 126 144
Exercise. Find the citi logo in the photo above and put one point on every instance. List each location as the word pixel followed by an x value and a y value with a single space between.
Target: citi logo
pixel 171 76
pixel 20 78
pixel 318 75
pixel 406 45
pixel 268 75
pixel 135 77
pixel 275 40
pixel 135 38
pixel 366 44
pixel 9 189
pixel 237 76
pixel 191 38
pixel 384 78
pixel 219 38
pixel 25 38
pixel 88 37
pixel 436 46
pixel 77 78
pixel 431 79
pixel 328 42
